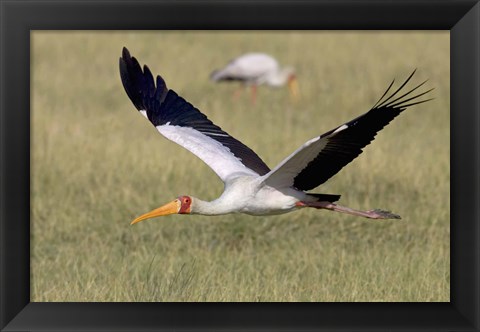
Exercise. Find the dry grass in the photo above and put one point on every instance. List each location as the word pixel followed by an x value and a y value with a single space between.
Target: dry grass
pixel 96 164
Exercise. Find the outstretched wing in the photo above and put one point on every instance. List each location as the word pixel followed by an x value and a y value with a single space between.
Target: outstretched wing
pixel 320 158
pixel 182 123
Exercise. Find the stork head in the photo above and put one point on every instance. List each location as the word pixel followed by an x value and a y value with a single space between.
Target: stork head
pixel 181 205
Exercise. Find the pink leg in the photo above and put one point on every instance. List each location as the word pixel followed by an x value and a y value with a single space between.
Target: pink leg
pixel 372 214
pixel 254 94
pixel 236 93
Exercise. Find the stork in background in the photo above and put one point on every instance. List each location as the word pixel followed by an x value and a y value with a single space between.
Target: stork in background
pixel 254 69
pixel 251 187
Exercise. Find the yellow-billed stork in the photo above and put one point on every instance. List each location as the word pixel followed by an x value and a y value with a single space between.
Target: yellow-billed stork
pixel 250 186
pixel 255 69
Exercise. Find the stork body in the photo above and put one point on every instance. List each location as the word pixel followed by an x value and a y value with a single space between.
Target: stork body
pixel 254 69
pixel 250 186
pixel 250 195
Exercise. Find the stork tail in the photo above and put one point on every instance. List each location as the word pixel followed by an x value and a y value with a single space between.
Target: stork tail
pixel 326 197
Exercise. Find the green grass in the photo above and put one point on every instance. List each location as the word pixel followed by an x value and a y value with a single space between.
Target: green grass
pixel 97 164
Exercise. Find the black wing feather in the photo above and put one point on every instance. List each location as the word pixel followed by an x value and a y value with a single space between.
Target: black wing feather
pixel 346 145
pixel 165 106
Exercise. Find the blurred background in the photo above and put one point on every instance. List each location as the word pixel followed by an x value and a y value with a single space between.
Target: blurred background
pixel 96 164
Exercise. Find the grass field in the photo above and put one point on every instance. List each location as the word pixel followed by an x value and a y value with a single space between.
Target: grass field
pixel 97 164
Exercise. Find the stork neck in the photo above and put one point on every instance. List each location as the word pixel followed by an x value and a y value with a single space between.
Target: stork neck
pixel 280 77
pixel 212 208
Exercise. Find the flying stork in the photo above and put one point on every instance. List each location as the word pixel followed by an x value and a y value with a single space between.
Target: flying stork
pixel 255 69
pixel 251 187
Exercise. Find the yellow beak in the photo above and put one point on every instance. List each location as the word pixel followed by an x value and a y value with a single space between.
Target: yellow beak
pixel 293 86
pixel 169 208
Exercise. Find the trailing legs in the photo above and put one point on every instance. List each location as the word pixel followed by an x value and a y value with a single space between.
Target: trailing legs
pixel 372 214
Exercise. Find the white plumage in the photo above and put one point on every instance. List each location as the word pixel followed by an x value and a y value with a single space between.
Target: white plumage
pixel 212 152
pixel 250 186
pixel 255 69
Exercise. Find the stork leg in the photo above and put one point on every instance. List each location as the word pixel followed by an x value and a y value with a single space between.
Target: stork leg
pixel 254 94
pixel 372 214
pixel 237 93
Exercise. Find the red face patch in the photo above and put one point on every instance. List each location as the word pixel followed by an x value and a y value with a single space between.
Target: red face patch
pixel 185 201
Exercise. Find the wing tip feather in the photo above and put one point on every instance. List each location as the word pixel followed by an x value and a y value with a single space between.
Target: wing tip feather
pixel 399 102
pixel 140 84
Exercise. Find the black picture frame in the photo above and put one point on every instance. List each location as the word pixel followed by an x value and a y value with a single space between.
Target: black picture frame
pixel 18 18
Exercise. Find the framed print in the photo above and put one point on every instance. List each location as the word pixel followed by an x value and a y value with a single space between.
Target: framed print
pixel 78 164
